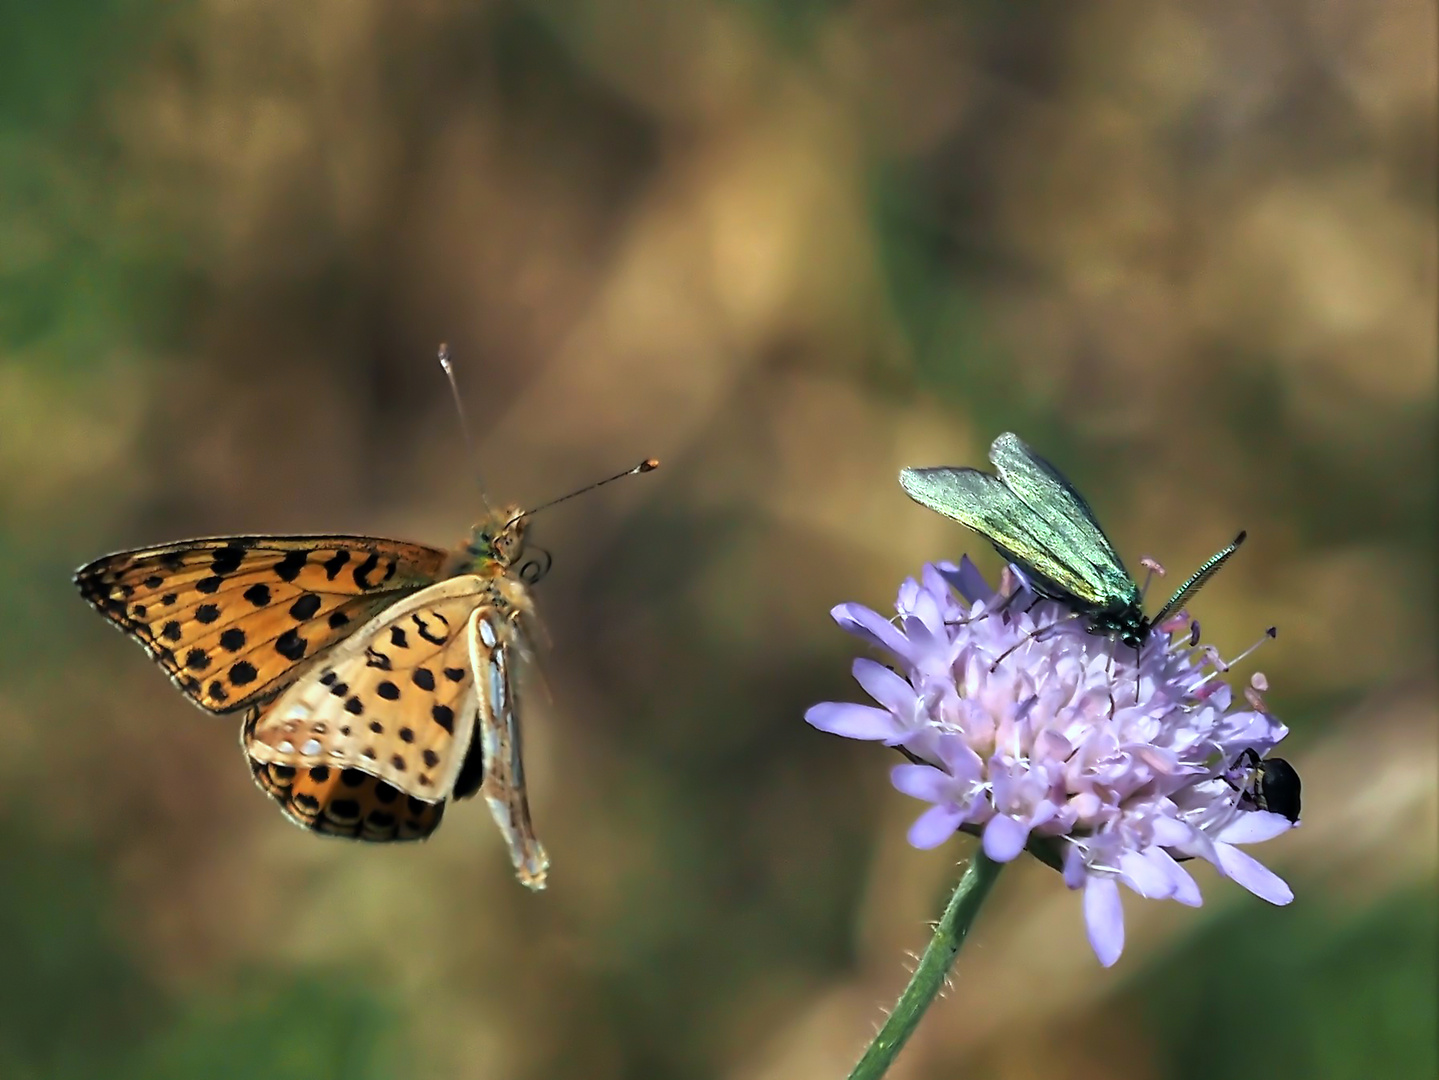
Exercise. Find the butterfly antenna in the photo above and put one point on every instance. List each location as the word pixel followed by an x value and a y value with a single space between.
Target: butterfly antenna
pixel 648 465
pixel 449 368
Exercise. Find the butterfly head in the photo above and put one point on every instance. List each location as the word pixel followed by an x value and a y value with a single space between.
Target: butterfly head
pixel 496 542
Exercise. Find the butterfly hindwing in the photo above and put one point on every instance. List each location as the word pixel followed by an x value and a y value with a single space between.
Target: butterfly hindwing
pixel 494 640
pixel 345 802
pixel 230 619
pixel 396 699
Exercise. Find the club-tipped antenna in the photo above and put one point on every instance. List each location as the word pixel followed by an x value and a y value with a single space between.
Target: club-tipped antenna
pixel 1199 577
pixel 647 465
pixel 449 368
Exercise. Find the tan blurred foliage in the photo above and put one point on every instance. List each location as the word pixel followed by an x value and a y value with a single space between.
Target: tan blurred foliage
pixel 669 248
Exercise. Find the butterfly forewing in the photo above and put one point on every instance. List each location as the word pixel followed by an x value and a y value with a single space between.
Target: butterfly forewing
pixel 494 641
pixel 231 619
pixel 396 699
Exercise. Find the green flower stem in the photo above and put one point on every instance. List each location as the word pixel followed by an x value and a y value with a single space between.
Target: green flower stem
pixel 928 979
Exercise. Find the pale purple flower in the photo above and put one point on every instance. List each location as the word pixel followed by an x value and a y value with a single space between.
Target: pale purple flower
pixel 1121 763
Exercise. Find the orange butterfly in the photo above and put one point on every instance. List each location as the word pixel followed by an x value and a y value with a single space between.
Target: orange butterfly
pixel 374 677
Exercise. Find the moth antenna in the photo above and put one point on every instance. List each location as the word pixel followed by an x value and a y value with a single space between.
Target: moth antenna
pixel 1199 577
pixel 449 369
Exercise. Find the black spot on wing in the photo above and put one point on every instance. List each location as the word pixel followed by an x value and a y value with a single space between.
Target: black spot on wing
pixel 362 573
pixel 426 630
pixel 305 607
pixel 288 568
pixel 227 560
pixel 290 644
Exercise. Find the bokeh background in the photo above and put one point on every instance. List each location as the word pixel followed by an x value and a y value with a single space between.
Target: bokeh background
pixel 1187 249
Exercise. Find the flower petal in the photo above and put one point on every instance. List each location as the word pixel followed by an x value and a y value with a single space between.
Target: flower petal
pixel 871 625
pixel 1075 872
pixel 1253 875
pixel 887 688
pixel 1145 877
pixel 1004 838
pixel 1104 918
pixel 966 579
pixel 922 782
pixel 1168 832
pixel 854 721
pixel 937 587
pixel 1254 826
pixel 934 827
pixel 1186 889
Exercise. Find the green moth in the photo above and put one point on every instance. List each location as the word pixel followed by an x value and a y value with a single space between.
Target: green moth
pixel 1037 520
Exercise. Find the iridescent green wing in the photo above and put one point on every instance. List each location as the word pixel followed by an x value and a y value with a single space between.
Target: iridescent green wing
pixel 1074 535
pixel 983 502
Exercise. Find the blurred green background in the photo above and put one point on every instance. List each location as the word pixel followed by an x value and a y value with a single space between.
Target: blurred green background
pixel 1186 249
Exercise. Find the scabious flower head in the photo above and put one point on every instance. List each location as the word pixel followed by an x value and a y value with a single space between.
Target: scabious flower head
pixel 1023 728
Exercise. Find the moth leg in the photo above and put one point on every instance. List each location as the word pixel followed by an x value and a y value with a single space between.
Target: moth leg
pixel 1033 635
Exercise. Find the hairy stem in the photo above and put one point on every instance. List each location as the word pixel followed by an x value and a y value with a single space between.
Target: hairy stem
pixel 929 976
